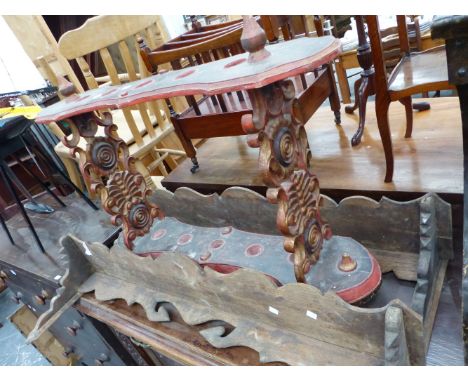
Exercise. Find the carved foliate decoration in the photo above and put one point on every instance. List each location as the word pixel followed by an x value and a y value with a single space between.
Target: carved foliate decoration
pixel 125 198
pixel 124 195
pixel 285 161
pixel 299 219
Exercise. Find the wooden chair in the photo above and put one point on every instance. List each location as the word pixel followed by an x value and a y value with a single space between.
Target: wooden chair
pixel 414 73
pixel 220 115
pixel 290 26
pixel 349 60
pixel 145 128
pixel 198 28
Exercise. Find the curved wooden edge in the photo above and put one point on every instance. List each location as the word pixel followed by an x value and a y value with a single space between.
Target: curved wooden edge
pixel 79 269
pixel 396 95
pixel 247 82
pixel 215 41
pixel 293 323
pixel 195 40
pixel 101 31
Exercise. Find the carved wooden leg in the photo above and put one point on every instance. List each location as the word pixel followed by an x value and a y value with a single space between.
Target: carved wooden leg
pixel 334 98
pixel 186 144
pixel 350 109
pixel 381 109
pixel 409 115
pixel 361 97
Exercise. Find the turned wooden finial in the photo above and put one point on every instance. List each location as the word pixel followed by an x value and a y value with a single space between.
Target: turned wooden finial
pixel 196 25
pixel 347 263
pixel 65 87
pixel 253 40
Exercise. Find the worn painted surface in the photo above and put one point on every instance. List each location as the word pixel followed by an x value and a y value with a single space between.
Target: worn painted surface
pixel 231 74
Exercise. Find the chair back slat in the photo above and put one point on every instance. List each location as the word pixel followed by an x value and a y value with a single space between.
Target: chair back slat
pixel 399 40
pixel 132 76
pixel 203 51
pixel 87 74
pixel 159 108
pixel 403 34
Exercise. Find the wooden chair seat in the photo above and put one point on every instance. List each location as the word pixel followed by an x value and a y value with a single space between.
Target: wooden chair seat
pixel 420 72
pixel 214 122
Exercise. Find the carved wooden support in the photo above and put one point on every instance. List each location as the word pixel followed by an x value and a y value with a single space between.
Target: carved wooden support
pixel 428 260
pixel 109 171
pixel 284 160
pixel 396 348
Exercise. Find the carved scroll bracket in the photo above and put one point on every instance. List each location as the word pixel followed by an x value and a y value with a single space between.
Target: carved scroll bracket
pixel 285 161
pixel 109 172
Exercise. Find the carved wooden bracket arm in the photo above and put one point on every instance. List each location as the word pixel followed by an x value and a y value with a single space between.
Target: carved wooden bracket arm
pixel 285 162
pixel 110 173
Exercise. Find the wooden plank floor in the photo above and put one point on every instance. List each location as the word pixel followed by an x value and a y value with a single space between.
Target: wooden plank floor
pixel 432 160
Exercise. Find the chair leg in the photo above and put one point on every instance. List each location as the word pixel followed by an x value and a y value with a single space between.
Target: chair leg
pixel 5 227
pixel 350 109
pixel 44 186
pixel 144 171
pixel 381 110
pixel 12 191
pixel 406 101
pixel 334 98
pixel 67 179
pixel 342 81
pixel 187 145
pixel 361 98
pixel 73 172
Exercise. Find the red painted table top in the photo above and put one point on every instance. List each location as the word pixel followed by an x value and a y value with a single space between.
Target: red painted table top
pixel 287 59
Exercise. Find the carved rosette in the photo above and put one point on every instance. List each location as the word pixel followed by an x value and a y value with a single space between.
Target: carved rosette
pixel 124 195
pixel 276 128
pixel 285 161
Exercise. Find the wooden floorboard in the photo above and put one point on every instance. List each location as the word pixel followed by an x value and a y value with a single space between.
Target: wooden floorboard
pixel 430 161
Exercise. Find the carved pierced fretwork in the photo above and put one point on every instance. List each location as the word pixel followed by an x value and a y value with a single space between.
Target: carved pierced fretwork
pixel 125 198
pixel 276 128
pixel 299 219
pixel 109 171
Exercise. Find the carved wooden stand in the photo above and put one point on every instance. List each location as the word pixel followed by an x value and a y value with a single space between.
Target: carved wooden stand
pixel 185 257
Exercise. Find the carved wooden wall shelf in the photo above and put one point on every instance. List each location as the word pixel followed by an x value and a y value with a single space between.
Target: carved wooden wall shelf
pixel 295 323
pixel 270 268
